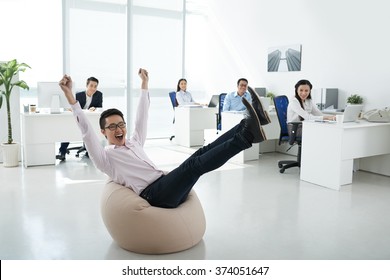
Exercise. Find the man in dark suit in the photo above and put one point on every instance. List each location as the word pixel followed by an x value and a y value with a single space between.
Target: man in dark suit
pixel 89 99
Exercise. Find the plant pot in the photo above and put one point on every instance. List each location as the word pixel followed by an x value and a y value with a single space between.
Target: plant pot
pixel 10 154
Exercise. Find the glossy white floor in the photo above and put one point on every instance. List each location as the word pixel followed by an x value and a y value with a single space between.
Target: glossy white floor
pixel 252 212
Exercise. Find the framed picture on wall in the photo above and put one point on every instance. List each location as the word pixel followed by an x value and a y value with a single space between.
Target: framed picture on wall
pixel 284 58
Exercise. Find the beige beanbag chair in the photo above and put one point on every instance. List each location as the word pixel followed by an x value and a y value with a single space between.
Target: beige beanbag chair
pixel 139 227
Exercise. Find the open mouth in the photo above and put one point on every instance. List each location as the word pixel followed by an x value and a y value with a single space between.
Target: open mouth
pixel 119 137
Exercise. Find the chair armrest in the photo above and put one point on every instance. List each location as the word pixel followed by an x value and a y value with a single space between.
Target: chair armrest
pixel 294 132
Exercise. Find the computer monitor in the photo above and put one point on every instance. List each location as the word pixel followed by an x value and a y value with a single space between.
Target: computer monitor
pixel 330 97
pixel 214 101
pixel 352 112
pixel 261 91
pixel 51 96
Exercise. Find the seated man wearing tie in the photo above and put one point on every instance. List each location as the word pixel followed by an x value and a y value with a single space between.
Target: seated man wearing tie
pixel 89 99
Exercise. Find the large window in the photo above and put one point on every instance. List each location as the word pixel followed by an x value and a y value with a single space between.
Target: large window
pixel 156 43
pixel 111 40
pixel 108 39
pixel 95 36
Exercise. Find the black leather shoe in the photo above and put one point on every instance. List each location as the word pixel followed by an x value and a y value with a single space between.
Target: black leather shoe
pixel 61 157
pixel 261 113
pixel 252 123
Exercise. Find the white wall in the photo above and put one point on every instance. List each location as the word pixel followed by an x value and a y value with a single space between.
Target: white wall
pixel 34 37
pixel 344 45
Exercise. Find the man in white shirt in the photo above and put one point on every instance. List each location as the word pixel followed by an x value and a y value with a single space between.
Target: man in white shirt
pixel 125 161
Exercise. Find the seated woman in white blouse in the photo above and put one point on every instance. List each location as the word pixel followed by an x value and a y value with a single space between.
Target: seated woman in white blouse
pixel 184 97
pixel 302 107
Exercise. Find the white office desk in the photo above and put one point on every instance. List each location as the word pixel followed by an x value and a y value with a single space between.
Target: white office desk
pixel 271 130
pixel 40 132
pixel 328 150
pixel 190 123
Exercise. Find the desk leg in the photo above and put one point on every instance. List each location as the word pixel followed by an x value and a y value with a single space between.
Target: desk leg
pixel 247 155
pixel 190 138
pixel 39 154
pixel 321 162
pixel 196 138
pixel 346 172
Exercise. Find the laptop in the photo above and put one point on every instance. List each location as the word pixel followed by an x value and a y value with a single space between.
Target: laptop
pixel 351 112
pixel 214 101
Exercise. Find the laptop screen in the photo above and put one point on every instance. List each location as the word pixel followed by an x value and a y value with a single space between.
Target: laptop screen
pixel 351 112
pixel 214 101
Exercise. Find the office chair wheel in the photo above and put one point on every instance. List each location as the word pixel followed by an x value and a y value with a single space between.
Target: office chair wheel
pixel 280 165
pixel 282 170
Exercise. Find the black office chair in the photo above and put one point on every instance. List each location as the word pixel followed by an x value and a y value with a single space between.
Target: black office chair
pixel 172 97
pixel 220 107
pixel 79 149
pixel 289 132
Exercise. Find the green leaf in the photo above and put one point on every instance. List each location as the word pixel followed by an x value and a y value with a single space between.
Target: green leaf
pixel 7 72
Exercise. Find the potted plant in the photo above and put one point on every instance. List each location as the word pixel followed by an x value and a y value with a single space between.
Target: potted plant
pixel 355 99
pixel 271 96
pixel 8 70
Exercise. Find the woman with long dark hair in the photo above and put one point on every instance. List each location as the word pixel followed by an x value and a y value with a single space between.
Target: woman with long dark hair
pixel 183 96
pixel 302 106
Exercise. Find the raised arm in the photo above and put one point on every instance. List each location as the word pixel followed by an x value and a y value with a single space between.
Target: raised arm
pixel 141 119
pixel 95 149
pixel 66 86
pixel 144 77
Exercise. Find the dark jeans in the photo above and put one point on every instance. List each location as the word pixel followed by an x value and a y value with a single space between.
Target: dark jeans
pixel 170 190
pixel 64 147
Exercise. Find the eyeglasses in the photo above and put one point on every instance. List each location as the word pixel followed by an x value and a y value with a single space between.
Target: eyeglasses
pixel 114 126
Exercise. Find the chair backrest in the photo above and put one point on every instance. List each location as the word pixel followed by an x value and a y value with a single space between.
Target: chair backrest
pixel 172 96
pixel 220 107
pixel 281 104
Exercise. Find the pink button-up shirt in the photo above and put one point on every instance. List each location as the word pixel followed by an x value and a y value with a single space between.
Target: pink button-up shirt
pixel 127 165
